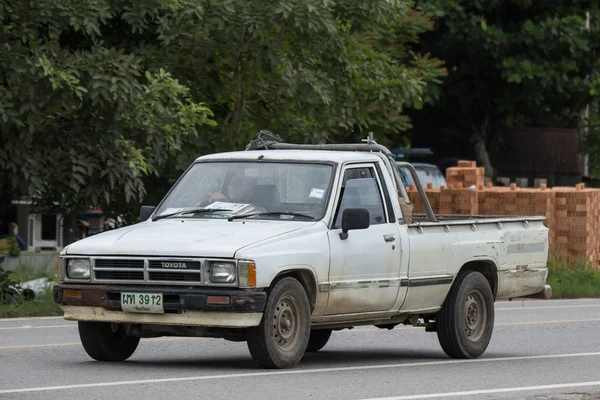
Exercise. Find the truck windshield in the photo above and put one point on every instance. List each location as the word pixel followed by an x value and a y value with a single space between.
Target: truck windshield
pixel 271 190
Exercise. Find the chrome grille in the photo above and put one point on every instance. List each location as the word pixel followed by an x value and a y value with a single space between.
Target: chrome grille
pixel 120 275
pixel 157 264
pixel 174 276
pixel 110 263
pixel 152 270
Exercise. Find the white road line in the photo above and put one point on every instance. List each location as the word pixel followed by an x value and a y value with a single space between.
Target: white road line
pixel 292 372
pixel 10 328
pixel 501 302
pixel 490 391
pixel 526 308
pixel 547 301
pixel 28 318
pixel 372 329
pixel 547 307
pixel 553 300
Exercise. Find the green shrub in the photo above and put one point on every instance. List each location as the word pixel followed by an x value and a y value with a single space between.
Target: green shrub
pixel 13 247
pixel 579 281
pixel 42 306
pixel 25 272
pixel 9 289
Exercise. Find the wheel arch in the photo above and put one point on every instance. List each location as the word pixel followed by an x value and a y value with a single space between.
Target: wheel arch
pixel 307 279
pixel 487 268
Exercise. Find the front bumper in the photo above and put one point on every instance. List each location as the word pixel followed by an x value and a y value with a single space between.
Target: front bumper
pixel 182 306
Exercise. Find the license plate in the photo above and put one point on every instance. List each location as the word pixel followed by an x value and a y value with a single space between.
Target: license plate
pixel 151 303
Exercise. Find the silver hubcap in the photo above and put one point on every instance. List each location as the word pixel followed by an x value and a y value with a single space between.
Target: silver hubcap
pixel 475 315
pixel 285 324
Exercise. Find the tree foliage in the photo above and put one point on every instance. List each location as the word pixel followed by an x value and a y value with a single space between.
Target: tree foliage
pixel 511 63
pixel 83 118
pixel 309 70
pixel 103 103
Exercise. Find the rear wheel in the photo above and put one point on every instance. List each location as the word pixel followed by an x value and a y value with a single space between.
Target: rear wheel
pixel 282 336
pixel 318 339
pixel 466 320
pixel 105 341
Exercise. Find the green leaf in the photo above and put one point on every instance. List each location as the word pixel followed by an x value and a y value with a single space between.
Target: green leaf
pixel 514 78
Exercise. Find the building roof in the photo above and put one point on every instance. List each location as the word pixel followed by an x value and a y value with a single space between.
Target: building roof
pixel 540 150
pixel 297 155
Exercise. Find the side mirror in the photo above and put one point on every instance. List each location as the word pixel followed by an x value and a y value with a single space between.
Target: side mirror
pixel 354 219
pixel 146 212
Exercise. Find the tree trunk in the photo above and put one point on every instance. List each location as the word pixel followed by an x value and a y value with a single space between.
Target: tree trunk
pixel 479 138
pixel 240 103
pixel 482 155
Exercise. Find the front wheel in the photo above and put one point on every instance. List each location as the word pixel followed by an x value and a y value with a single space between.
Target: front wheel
pixel 105 341
pixel 282 336
pixel 466 320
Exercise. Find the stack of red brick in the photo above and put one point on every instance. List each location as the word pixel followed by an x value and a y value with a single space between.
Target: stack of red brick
pixel 577 216
pixel 572 214
pixel 465 174
pixel 452 200
pixel 514 201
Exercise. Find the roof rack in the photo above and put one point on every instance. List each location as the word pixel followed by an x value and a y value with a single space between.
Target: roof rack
pixel 269 141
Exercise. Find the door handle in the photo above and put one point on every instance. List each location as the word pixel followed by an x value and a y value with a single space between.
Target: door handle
pixel 389 238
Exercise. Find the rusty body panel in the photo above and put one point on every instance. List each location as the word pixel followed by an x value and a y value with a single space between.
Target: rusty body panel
pixel 520 282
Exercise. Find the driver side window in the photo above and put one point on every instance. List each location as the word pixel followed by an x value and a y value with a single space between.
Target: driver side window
pixel 360 189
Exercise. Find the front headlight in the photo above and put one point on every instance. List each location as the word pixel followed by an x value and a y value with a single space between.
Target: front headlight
pixel 79 268
pixel 222 272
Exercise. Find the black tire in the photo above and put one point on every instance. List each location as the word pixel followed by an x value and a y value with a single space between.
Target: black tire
pixel 282 336
pixel 318 339
pixel 104 341
pixel 466 320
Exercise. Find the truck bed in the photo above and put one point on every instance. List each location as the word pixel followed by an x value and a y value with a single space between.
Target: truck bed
pixel 513 249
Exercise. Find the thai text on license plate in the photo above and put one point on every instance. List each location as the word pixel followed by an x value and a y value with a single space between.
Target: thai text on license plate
pixel 142 302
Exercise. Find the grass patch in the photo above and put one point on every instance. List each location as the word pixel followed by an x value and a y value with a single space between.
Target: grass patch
pixel 24 273
pixel 576 282
pixel 42 306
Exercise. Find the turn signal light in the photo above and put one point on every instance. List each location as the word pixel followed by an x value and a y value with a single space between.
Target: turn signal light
pixel 74 294
pixel 222 300
pixel 58 268
pixel 251 274
pixel 247 274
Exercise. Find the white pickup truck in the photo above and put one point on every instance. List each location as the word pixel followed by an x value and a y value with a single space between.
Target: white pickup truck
pixel 280 246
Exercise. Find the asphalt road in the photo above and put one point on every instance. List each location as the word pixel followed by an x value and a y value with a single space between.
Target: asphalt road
pixel 539 350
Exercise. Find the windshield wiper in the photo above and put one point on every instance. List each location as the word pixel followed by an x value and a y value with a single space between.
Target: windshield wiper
pixel 191 211
pixel 275 213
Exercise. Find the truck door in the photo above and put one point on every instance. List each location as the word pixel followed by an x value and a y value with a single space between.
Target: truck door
pixel 364 272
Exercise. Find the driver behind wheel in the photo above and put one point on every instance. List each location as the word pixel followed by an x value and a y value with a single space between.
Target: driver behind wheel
pixel 241 189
